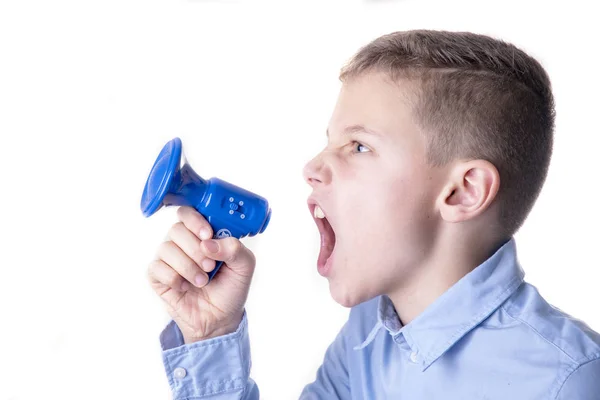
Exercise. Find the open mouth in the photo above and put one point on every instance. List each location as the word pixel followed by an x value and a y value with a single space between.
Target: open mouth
pixel 327 236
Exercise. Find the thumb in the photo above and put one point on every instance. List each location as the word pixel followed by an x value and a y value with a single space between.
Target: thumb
pixel 231 251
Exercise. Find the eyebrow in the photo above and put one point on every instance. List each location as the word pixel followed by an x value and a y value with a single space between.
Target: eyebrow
pixel 357 129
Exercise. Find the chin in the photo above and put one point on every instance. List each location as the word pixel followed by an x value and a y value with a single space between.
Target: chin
pixel 346 296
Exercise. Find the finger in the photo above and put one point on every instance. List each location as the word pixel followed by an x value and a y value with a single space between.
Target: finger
pixel 195 222
pixel 233 252
pixel 191 245
pixel 176 258
pixel 159 271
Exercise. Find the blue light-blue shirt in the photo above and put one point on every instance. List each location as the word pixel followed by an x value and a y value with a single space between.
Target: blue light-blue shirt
pixel 490 336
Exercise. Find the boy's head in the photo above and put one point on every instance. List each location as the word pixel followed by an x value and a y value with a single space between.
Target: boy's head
pixel 438 147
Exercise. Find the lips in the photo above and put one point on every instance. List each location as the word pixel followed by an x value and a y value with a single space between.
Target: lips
pixel 327 236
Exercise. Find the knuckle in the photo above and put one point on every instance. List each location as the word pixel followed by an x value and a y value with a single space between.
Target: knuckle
pixel 197 215
pixel 231 244
pixel 234 248
pixel 181 212
pixel 176 227
pixel 173 280
pixel 234 245
pixel 203 224
pixel 156 271
pixel 196 253
pixel 191 219
pixel 189 266
pixel 151 270
pixel 164 247
pixel 200 223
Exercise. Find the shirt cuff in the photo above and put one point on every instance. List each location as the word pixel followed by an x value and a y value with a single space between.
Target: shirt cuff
pixel 216 365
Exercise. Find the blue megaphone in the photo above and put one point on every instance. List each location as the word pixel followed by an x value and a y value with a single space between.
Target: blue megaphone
pixel 229 209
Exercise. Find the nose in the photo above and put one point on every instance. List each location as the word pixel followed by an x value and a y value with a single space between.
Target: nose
pixel 315 172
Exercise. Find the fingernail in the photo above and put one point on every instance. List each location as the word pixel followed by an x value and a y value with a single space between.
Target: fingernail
pixel 201 279
pixel 185 286
pixel 207 264
pixel 211 246
pixel 204 234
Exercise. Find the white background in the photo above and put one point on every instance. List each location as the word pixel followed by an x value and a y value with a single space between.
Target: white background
pixel 91 90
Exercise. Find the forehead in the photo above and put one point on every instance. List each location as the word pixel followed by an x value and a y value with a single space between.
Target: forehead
pixel 374 101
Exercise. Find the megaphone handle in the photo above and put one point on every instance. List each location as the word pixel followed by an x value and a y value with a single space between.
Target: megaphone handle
pixel 221 230
pixel 214 271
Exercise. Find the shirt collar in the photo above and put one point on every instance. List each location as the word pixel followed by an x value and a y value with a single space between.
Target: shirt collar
pixel 457 311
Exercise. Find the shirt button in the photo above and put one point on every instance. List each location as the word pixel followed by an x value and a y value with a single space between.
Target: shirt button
pixel 413 356
pixel 179 373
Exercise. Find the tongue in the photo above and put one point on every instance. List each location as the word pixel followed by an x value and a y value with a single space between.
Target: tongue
pixel 327 242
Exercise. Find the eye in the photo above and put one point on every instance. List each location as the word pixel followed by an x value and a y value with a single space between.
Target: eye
pixel 360 148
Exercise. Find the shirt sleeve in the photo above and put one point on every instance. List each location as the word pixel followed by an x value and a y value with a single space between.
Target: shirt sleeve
pixel 331 380
pixel 583 383
pixel 217 368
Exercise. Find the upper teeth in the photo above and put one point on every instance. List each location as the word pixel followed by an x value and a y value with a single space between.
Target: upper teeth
pixel 319 213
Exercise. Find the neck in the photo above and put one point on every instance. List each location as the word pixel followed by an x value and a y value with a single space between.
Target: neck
pixel 450 261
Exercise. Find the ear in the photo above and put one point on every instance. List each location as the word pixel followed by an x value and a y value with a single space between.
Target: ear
pixel 472 187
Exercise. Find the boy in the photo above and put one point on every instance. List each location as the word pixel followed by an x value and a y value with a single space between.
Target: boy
pixel 451 134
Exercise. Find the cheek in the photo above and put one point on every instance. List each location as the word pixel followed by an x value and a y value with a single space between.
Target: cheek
pixel 396 203
pixel 409 213
pixel 390 219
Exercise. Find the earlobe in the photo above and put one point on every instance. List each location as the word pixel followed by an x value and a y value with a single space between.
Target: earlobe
pixel 472 188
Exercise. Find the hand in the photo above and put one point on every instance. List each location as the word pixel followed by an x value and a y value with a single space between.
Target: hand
pixel 179 277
